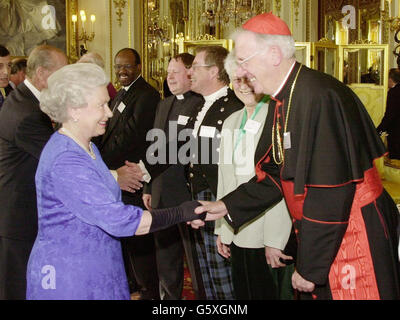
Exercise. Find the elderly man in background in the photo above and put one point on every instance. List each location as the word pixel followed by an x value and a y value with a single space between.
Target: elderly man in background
pixel 318 150
pixel 5 69
pixel 94 57
pixel 24 130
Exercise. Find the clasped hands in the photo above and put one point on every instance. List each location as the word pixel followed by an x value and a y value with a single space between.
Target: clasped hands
pixel 129 177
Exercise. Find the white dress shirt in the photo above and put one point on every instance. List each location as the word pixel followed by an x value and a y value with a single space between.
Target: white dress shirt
pixel 209 101
pixel 33 89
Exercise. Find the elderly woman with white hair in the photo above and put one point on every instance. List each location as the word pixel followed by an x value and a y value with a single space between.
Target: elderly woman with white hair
pixel 77 253
pixel 255 249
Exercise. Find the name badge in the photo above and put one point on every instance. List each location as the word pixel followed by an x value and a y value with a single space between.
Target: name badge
pixel 286 141
pixel 183 120
pixel 121 107
pixel 206 131
pixel 252 126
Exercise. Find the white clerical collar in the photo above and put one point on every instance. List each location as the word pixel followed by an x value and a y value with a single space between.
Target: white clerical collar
pixel 128 87
pixel 180 96
pixel 217 94
pixel 284 80
pixel 33 89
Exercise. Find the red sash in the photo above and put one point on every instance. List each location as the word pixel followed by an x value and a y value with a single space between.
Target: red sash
pixel 352 275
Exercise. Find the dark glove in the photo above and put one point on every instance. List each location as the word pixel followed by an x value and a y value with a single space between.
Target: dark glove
pixel 164 218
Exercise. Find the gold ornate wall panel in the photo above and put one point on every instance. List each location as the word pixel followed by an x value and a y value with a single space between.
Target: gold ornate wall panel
pixel 370 87
pixel 72 41
pixel 373 99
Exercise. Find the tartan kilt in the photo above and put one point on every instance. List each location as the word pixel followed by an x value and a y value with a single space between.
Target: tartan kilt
pixel 215 269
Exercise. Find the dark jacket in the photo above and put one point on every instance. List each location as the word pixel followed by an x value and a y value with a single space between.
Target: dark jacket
pixel 203 168
pixel 24 131
pixel 391 122
pixel 160 187
pixel 125 136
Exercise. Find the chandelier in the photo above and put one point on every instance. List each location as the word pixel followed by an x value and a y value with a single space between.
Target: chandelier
pixel 216 13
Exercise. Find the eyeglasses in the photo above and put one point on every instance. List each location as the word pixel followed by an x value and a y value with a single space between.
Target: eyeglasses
pixel 246 60
pixel 124 66
pixel 195 66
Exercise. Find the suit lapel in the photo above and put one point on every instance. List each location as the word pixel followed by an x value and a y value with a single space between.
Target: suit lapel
pixel 127 99
pixel 116 114
pixel 28 93
pixel 161 120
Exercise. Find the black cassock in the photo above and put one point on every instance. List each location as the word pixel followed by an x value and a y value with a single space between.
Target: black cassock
pixel 344 221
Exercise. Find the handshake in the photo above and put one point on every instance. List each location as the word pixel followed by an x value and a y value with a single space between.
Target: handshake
pixel 131 175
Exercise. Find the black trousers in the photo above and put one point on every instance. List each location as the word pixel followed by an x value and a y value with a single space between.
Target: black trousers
pixel 14 256
pixel 171 246
pixel 254 279
pixel 141 265
pixel 169 254
pixel 139 254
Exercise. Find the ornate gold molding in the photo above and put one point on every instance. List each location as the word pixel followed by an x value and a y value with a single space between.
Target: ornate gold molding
pixel 129 26
pixel 119 6
pixel 278 6
pixel 71 8
pixel 111 39
pixel 308 20
pixel 145 56
pixel 296 6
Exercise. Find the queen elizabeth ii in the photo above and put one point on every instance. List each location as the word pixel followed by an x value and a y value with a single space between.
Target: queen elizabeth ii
pixel 77 252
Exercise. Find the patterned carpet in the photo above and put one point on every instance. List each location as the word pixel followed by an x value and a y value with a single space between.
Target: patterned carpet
pixel 188 293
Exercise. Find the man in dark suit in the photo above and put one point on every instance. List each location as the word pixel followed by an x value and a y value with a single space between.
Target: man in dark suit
pixel 5 70
pixel 24 130
pixel 134 110
pixel 170 188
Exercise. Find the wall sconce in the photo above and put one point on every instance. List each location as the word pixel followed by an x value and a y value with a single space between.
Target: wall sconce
pixel 84 35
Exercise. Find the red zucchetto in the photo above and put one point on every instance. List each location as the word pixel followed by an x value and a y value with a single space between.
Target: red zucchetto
pixel 267 23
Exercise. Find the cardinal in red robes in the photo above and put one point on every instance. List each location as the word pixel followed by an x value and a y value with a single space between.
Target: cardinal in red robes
pixel 317 150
